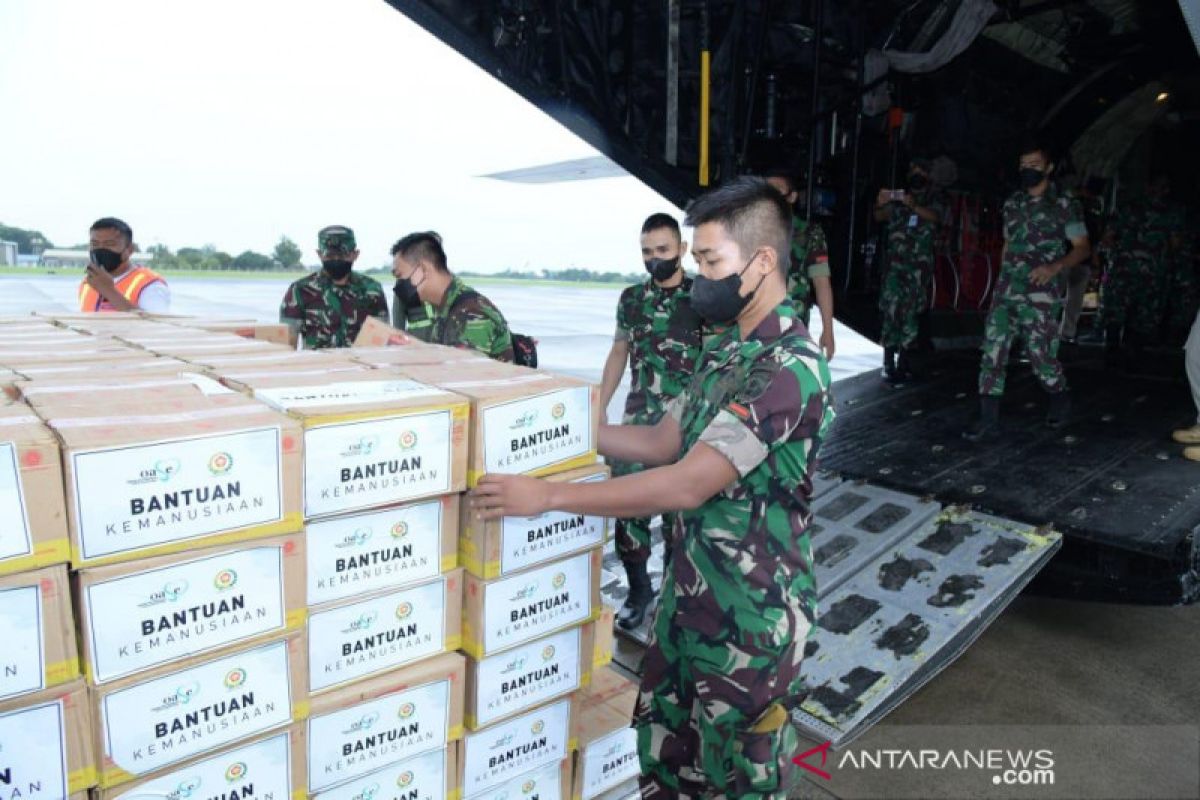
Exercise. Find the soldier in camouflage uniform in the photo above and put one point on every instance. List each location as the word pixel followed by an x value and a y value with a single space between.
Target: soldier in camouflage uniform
pixel 659 335
pixel 1028 299
pixel 808 273
pixel 329 307
pixel 459 316
pixel 740 446
pixel 1148 238
pixel 912 219
pixel 415 319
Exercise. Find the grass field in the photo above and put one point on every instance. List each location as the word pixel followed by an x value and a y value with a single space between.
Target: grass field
pixel 383 278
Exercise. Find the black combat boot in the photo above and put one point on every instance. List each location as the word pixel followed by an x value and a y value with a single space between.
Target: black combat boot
pixel 641 595
pixel 889 364
pixel 987 427
pixel 1060 410
pixel 904 366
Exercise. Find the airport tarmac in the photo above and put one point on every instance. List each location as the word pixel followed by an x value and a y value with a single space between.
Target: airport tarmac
pixel 573 326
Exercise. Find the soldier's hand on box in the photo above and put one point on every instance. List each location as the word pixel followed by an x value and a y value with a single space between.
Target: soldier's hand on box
pixel 510 496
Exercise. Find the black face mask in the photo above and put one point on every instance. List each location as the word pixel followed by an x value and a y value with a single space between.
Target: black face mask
pixel 718 302
pixel 337 268
pixel 1031 177
pixel 917 182
pixel 662 268
pixel 406 293
pixel 109 259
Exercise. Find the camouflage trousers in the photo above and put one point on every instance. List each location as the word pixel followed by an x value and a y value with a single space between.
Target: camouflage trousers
pixel 712 715
pixel 901 301
pixel 1034 322
pixel 1134 295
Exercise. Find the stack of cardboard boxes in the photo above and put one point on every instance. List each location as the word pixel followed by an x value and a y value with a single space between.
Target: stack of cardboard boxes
pixel 265 549
pixel 532 585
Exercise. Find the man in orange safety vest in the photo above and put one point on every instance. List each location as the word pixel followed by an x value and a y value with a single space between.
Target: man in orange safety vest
pixel 114 284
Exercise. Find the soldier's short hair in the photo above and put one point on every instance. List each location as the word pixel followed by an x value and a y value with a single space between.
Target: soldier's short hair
pixel 751 211
pixel 657 222
pixel 113 224
pixel 423 246
pixel 1035 142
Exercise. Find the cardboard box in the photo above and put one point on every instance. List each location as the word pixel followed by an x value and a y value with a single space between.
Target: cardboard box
pixel 262 360
pixel 418 353
pixel 380 550
pixel 145 725
pixel 491 548
pixel 536 739
pixel 608 753
pixel 135 368
pixel 275 333
pixel 371 443
pixel 605 643
pixel 269 766
pixel 150 483
pixel 550 782
pixel 8 384
pixel 364 637
pixel 123 390
pixel 523 421
pixel 47 743
pixel 38 632
pixel 528 675
pixel 429 776
pixel 505 612
pixel 376 333
pixel 97 352
pixel 359 729
pixel 242 377
pixel 33 515
pixel 139 616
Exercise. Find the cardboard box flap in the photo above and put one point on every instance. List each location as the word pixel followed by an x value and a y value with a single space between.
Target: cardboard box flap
pixel 38 631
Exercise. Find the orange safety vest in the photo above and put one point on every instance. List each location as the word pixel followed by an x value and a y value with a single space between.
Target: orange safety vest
pixel 130 285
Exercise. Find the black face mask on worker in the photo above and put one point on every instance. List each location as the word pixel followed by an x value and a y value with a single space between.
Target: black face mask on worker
pixel 406 292
pixel 662 268
pixel 1031 177
pixel 720 302
pixel 337 268
pixel 110 260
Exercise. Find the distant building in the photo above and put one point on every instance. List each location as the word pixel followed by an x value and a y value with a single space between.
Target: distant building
pixel 29 262
pixel 8 254
pixel 79 258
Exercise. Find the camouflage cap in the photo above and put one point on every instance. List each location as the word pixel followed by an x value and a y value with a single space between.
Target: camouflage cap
pixel 336 239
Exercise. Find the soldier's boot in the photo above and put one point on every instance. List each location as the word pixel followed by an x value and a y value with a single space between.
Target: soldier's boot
pixel 904 365
pixel 641 595
pixel 987 427
pixel 1060 410
pixel 1112 346
pixel 889 364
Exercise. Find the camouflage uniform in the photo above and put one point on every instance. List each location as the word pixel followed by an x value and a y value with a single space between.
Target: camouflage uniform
pixel 723 666
pixel 902 297
pixel 810 259
pixel 416 320
pixel 1035 229
pixel 467 319
pixel 664 336
pixel 330 315
pixel 1135 295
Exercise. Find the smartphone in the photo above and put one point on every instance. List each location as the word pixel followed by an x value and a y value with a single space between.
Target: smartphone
pixel 896 194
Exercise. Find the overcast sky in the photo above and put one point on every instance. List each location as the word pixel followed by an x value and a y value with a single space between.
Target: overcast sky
pixel 233 122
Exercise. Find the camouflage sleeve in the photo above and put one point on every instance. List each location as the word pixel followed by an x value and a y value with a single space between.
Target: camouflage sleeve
pixel 291 310
pixel 484 329
pixel 622 333
pixel 377 303
pixel 818 252
pixel 1009 216
pixel 676 407
pixel 1075 227
pixel 779 404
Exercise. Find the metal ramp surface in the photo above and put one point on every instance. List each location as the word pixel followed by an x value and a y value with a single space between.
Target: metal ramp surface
pixel 909 613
